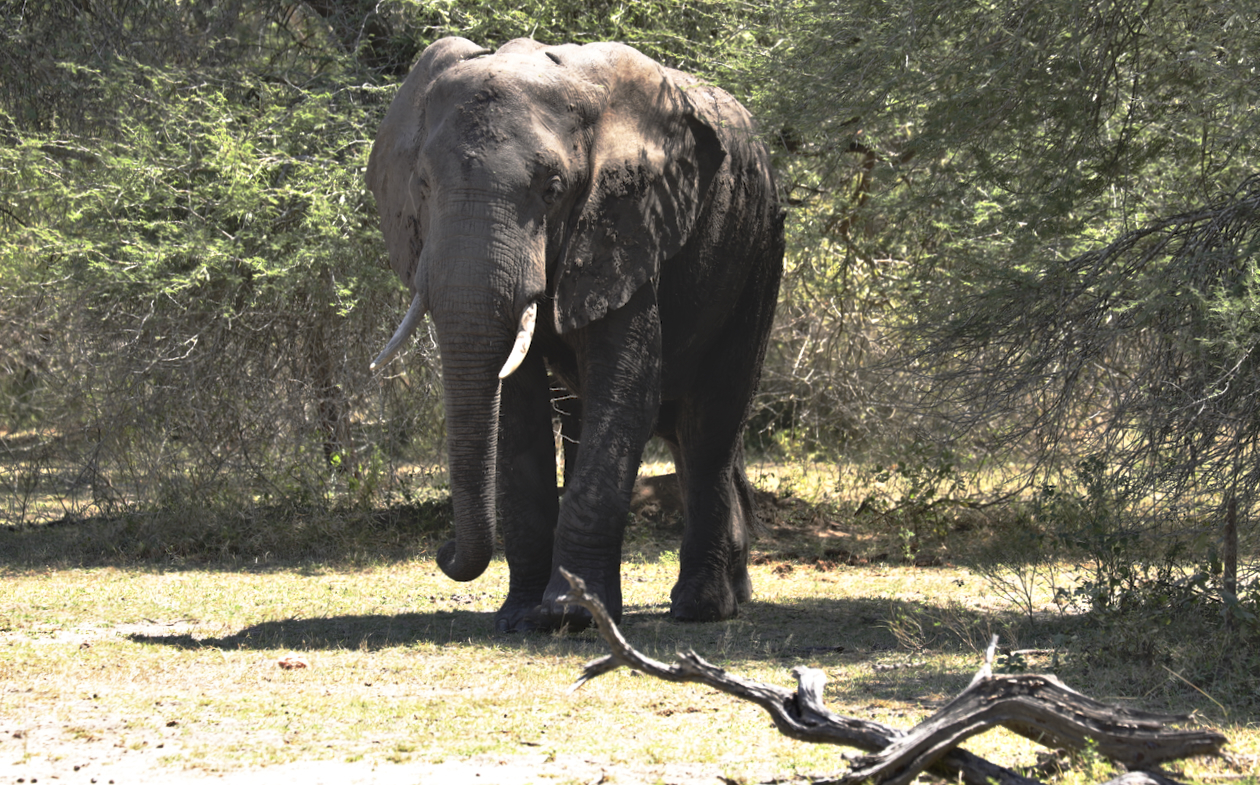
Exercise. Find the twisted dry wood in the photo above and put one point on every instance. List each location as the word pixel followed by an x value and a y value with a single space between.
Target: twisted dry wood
pixel 1038 707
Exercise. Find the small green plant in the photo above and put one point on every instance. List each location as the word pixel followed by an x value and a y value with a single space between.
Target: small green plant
pixel 1021 568
pixel 908 544
pixel 913 493
pixel 1015 662
pixel 1089 766
pixel 367 479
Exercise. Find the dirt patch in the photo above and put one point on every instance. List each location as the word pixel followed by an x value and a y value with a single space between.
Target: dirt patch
pixel 658 500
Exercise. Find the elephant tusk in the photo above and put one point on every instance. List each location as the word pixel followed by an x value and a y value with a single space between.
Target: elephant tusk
pixel 408 326
pixel 524 335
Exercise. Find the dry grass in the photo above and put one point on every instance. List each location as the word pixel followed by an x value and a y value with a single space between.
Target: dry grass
pixel 168 662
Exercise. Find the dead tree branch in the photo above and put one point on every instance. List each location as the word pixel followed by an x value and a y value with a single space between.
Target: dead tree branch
pixel 1039 707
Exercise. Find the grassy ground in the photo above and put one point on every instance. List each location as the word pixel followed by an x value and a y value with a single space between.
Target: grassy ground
pixel 133 650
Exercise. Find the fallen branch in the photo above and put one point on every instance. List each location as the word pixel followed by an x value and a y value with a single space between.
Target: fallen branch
pixel 1038 707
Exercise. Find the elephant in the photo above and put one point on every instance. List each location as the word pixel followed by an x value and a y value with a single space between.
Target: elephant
pixel 583 215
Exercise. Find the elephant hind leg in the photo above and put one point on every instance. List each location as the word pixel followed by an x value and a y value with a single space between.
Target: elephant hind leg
pixel 713 563
pixel 748 512
pixel 709 455
pixel 719 509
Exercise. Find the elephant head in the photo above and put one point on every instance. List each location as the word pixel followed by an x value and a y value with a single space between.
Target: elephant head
pixel 535 184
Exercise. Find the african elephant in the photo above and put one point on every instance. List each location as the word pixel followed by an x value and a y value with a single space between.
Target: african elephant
pixel 585 211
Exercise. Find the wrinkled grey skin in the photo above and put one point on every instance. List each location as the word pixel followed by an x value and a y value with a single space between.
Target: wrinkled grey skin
pixel 635 207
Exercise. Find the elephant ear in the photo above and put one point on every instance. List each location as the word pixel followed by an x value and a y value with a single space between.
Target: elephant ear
pixel 391 166
pixel 653 157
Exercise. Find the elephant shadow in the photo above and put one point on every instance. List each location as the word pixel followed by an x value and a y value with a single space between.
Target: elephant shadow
pixel 372 632
pixel 785 631
pixel 363 631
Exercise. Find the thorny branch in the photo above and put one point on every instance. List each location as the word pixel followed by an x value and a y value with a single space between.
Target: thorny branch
pixel 1039 707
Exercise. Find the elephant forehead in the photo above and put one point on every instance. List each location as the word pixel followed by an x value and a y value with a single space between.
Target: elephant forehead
pixel 503 130
pixel 520 86
pixel 493 146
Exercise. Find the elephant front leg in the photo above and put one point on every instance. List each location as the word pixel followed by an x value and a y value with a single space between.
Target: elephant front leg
pixel 527 499
pixel 619 369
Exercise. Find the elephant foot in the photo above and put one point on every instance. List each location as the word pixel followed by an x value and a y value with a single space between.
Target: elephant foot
pixel 743 586
pixel 712 599
pixel 515 615
pixel 551 614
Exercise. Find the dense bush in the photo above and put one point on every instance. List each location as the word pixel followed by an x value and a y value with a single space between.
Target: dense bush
pixel 193 279
pixel 192 275
pixel 1020 234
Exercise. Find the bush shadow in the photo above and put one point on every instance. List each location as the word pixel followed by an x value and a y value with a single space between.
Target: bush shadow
pixel 245 541
pixel 909 652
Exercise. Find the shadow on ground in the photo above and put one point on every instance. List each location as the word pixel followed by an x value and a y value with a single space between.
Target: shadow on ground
pixel 850 639
pixel 812 628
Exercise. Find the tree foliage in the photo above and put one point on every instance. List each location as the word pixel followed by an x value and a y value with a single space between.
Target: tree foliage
pixel 1035 223
pixel 998 221
pixel 191 276
pixel 938 149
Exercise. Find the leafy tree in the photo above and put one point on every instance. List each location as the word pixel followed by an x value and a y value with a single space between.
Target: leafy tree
pixel 937 153
pixel 1031 226
pixel 192 274
pixel 196 245
pixel 191 271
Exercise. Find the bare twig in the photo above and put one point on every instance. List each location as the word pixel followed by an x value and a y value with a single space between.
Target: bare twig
pixel 1038 707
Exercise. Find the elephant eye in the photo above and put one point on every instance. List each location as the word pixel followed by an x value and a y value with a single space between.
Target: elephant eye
pixel 555 187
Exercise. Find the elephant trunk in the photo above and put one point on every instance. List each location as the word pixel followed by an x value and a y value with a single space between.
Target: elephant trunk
pixel 476 291
pixel 470 366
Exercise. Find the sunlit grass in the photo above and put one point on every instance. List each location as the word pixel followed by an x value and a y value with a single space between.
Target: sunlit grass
pixel 175 656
